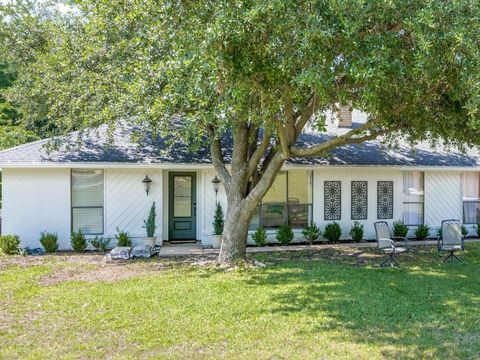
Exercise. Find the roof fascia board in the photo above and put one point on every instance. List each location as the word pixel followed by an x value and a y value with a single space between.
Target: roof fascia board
pixel 109 165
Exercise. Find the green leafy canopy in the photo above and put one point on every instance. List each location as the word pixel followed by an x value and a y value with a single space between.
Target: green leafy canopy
pixel 412 65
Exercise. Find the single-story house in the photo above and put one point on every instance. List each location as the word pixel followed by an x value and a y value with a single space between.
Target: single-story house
pixel 99 187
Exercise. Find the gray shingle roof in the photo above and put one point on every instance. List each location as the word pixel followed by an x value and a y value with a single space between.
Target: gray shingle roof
pixel 96 149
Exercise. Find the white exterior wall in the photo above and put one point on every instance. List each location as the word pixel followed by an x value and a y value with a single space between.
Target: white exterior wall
pixel 127 204
pixel 346 176
pixel 372 175
pixel 36 200
pixel 443 198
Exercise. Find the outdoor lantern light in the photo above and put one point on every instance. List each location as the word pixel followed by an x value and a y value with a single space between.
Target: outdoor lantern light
pixel 147 182
pixel 216 182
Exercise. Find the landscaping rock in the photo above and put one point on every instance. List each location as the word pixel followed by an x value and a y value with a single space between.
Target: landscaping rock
pixel 156 250
pixel 141 251
pixel 120 253
pixel 35 251
pixel 258 263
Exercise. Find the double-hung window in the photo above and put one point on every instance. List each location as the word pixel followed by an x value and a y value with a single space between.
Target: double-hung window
pixel 413 197
pixel 288 201
pixel 471 197
pixel 87 201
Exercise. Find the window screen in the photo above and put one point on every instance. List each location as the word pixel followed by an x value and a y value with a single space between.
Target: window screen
pixel 87 201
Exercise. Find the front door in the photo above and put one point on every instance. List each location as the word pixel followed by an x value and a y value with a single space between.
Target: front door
pixel 182 206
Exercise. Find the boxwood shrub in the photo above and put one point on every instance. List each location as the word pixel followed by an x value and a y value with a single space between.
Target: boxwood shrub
pixel 422 232
pixel 78 241
pixel 260 237
pixel 49 241
pixel 332 232
pixel 9 244
pixel 285 234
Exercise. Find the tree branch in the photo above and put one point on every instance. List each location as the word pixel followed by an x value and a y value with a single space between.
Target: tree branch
pixel 267 178
pixel 348 138
pixel 284 143
pixel 218 159
pixel 306 114
pixel 259 151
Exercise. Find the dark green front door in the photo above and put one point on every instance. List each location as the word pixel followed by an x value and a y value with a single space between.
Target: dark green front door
pixel 182 206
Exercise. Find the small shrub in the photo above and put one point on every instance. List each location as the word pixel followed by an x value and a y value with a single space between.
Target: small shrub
pixel 150 225
pixel 9 244
pixel 422 232
pixel 478 229
pixel 333 232
pixel 78 241
pixel 260 237
pixel 284 234
pixel 218 221
pixel 356 232
pixel 400 229
pixel 49 241
pixel 311 232
pixel 123 238
pixel 100 243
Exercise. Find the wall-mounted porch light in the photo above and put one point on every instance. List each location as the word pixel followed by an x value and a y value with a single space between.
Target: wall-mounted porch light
pixel 216 185
pixel 146 183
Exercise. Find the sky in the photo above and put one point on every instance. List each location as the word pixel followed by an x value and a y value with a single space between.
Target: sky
pixel 62 7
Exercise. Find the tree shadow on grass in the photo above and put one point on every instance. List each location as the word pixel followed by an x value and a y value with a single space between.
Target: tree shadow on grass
pixel 423 310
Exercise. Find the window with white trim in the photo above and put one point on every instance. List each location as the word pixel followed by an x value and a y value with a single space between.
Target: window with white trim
pixel 87 201
pixel 471 197
pixel 413 197
pixel 288 201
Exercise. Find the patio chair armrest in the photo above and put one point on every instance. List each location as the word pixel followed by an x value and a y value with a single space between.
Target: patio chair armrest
pixel 384 243
pixel 404 239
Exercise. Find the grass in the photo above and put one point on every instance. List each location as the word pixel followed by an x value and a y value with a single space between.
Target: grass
pixel 334 304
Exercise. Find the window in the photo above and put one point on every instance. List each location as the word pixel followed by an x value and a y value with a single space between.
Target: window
pixel 87 201
pixel 182 202
pixel 471 198
pixel 288 201
pixel 413 197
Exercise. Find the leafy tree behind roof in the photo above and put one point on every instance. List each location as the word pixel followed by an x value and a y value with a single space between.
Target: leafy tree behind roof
pixel 12 133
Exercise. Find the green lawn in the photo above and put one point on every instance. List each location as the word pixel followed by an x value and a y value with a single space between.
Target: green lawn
pixel 328 304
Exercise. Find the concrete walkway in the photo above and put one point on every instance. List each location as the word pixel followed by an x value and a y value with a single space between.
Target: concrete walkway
pixel 197 249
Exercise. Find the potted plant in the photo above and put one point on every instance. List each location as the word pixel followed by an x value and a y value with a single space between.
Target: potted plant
pixel 150 227
pixel 217 227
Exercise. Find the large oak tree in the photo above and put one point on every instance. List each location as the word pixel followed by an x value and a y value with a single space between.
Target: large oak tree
pixel 259 71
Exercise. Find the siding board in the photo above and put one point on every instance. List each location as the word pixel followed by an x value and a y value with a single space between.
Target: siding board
pixel 442 198
pixel 126 203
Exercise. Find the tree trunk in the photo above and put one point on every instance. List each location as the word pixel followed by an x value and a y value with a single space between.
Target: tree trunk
pixel 235 232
